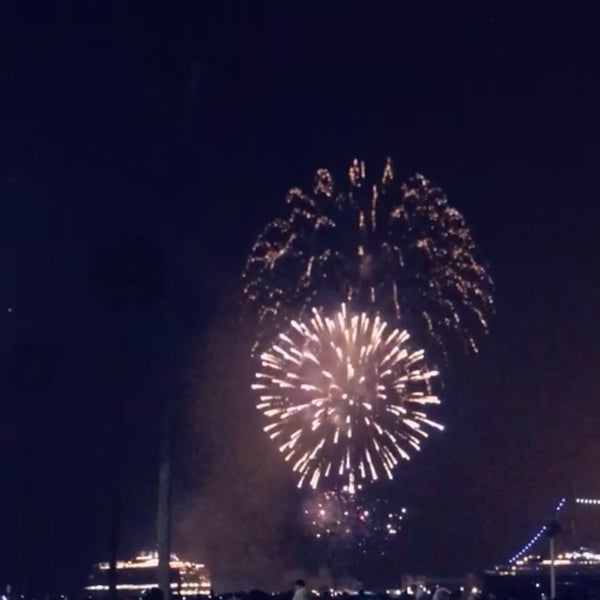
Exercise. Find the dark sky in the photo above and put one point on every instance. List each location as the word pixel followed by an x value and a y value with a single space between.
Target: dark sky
pixel 143 149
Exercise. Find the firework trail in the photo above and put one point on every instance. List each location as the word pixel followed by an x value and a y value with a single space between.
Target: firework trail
pixel 400 247
pixel 344 397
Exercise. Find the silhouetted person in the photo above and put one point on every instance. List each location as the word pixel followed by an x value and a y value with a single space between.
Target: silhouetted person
pixel 441 594
pixel 300 592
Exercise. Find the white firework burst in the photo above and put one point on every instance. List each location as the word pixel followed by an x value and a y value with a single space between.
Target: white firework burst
pixel 345 397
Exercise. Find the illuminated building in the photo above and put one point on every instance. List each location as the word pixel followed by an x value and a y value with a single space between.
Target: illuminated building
pixel 135 576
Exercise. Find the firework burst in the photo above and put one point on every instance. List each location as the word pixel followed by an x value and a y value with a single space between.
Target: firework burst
pixel 345 397
pixel 399 247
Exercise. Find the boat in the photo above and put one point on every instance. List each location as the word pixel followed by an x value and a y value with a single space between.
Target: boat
pixel 140 574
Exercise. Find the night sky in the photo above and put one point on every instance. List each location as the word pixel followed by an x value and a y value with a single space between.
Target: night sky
pixel 143 149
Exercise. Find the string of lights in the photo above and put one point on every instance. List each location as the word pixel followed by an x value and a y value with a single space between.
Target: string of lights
pixel 593 501
pixel 537 535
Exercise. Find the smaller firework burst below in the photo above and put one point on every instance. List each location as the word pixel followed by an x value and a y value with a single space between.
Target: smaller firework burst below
pixel 345 518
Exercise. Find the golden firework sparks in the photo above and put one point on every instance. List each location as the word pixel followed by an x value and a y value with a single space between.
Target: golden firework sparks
pixel 399 247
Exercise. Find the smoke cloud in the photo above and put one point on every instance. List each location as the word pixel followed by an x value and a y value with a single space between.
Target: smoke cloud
pixel 239 519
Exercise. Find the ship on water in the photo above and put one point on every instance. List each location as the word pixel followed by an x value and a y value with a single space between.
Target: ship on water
pixel 577 577
pixel 573 538
pixel 140 574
